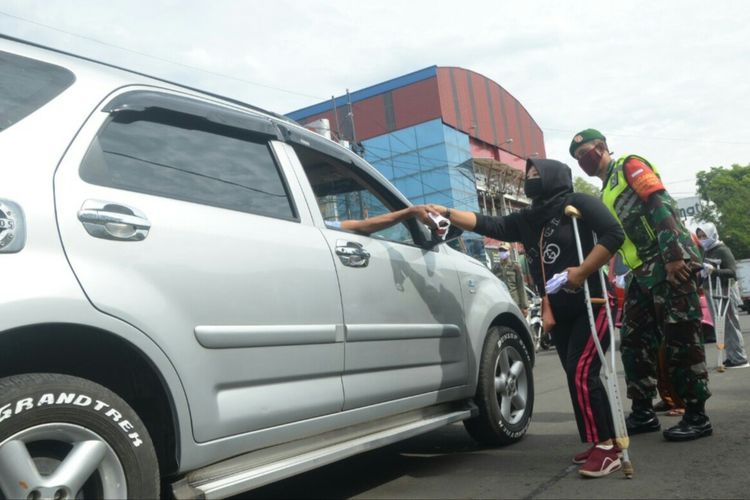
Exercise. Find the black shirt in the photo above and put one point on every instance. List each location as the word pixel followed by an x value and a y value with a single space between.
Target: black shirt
pixel 559 251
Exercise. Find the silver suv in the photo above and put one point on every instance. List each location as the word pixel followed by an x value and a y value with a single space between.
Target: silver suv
pixel 178 316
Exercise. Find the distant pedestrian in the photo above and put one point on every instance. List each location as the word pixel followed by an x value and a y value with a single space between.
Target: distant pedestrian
pixel 510 273
pixel 524 263
pixel 720 257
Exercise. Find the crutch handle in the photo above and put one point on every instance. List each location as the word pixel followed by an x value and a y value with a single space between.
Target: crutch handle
pixel 598 300
pixel 572 211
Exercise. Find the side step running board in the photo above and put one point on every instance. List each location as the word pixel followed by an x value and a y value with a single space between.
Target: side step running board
pixel 255 476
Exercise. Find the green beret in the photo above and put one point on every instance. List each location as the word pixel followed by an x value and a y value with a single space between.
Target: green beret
pixel 583 137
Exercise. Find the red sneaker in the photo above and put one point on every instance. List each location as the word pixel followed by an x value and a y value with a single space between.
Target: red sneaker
pixel 600 463
pixel 584 455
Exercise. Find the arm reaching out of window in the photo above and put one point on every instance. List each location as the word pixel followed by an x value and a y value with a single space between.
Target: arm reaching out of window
pixel 379 222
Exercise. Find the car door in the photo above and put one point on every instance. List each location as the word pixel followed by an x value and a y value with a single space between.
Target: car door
pixel 178 218
pixel 405 329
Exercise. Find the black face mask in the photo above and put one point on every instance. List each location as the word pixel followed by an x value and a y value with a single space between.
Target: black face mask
pixel 533 187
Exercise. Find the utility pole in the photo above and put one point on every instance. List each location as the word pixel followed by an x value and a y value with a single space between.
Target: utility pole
pixel 357 148
pixel 350 114
pixel 336 118
pixel 491 188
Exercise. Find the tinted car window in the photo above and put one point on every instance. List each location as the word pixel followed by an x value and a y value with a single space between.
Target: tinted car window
pixel 186 157
pixel 26 85
pixel 343 195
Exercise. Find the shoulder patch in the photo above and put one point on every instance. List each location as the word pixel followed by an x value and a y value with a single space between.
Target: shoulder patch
pixel 642 178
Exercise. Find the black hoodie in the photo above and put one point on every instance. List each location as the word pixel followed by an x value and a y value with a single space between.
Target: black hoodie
pixel 545 216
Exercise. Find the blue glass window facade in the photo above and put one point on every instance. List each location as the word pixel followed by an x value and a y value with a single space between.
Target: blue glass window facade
pixel 429 163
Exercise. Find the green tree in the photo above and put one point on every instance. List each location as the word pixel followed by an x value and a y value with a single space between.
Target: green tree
pixel 580 185
pixel 729 190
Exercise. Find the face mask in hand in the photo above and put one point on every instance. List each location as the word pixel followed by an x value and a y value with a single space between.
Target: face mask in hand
pixel 533 187
pixel 590 161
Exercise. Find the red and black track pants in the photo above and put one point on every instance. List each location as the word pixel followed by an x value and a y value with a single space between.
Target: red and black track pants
pixel 582 365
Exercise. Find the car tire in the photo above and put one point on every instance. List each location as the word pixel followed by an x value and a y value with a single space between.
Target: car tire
pixel 505 390
pixel 83 440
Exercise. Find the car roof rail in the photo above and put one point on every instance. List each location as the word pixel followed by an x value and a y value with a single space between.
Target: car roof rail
pixel 164 80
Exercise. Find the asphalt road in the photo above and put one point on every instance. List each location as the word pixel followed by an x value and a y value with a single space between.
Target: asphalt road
pixel 447 463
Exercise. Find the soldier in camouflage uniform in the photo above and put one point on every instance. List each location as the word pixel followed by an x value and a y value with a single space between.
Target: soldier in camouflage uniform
pixel 662 296
pixel 510 273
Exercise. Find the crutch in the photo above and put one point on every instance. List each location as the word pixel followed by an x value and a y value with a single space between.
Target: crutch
pixel 615 401
pixel 720 304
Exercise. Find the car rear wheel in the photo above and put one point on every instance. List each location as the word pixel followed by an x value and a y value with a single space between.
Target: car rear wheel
pixel 505 390
pixel 65 437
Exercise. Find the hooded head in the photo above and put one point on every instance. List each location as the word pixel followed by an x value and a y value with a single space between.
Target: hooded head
pixel 556 183
pixel 556 179
pixel 708 235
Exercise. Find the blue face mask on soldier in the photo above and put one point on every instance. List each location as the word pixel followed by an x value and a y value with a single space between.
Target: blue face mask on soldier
pixel 504 254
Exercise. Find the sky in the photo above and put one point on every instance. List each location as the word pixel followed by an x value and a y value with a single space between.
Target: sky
pixel 668 80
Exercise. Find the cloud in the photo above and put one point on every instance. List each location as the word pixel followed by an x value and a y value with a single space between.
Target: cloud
pixel 667 79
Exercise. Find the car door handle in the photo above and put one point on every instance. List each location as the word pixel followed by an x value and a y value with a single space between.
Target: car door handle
pixel 352 254
pixel 113 221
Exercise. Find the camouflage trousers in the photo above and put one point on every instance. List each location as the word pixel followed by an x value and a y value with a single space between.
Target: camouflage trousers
pixel 668 317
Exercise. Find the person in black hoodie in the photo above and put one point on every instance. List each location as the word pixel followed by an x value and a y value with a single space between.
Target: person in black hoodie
pixel 547 234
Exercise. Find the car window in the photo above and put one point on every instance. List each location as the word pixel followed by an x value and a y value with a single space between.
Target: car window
pixel 343 194
pixel 26 85
pixel 176 155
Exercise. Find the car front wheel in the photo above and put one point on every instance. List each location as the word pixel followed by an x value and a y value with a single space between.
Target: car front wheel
pixel 66 437
pixel 505 390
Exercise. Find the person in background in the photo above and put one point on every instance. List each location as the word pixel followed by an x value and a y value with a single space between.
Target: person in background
pixel 725 269
pixel 524 263
pixel 510 273
pixel 662 298
pixel 547 235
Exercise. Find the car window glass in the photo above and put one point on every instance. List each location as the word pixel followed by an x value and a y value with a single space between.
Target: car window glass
pixel 344 195
pixel 26 85
pixel 180 156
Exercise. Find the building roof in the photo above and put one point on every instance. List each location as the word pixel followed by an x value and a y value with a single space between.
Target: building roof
pixel 463 99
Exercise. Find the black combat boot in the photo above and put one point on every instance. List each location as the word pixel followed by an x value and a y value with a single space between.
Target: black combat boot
pixel 694 424
pixel 642 418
